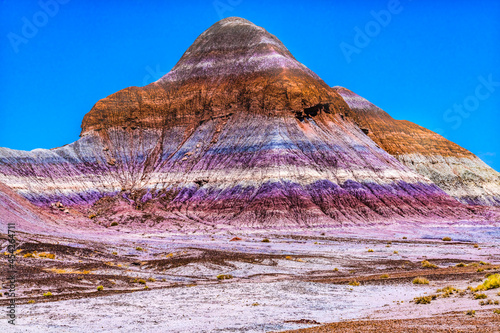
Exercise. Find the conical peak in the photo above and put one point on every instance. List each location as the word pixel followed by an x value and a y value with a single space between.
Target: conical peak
pixel 235 33
pixel 234 46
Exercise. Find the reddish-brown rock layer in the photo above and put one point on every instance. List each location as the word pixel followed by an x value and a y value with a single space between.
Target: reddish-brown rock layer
pixel 233 66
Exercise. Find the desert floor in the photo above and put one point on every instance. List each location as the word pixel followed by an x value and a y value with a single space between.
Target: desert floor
pixel 300 279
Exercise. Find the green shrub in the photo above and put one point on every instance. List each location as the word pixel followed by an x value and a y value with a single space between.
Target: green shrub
pixel 461 265
pixel 100 288
pixel 47 294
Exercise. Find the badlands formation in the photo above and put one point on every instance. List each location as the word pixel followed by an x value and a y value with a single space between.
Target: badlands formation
pixel 239 133
pixel 241 193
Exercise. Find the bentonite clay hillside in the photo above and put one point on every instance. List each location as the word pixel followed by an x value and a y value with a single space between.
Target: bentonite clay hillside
pixel 240 133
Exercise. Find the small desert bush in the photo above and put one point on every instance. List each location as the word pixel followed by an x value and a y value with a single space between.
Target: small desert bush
pixel 420 280
pixel 141 281
pixel 447 291
pixel 151 279
pixel 370 250
pixel 424 299
pixel 479 270
pixel 446 239
pixel 395 252
pixel 28 255
pixel 476 245
pixel 483 263
pixel 335 269
pixel 405 237
pixel 461 265
pixel 92 216
pixel 47 294
pixel 265 240
pixel 224 276
pixel 100 288
pixel 31 301
pixel 384 276
pixel 488 302
pixel 491 282
pixel 114 224
pixel 480 296
pixel 471 313
pixel 427 264
pixel 139 248
pixel 354 283
pixel 496 311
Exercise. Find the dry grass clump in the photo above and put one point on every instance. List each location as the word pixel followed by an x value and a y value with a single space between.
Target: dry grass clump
pixel 461 265
pixel 384 276
pixel 224 276
pixel 427 264
pixel 139 248
pixel 265 240
pixel 31 301
pixel 395 252
pixel 354 283
pixel 446 239
pixel 420 280
pixel 370 250
pixel 496 311
pixel 480 296
pixel 424 299
pixel 489 302
pixel 471 313
pixel 151 279
pixel 47 294
pixel 447 291
pixel 141 281
pixel 39 255
pixel 476 245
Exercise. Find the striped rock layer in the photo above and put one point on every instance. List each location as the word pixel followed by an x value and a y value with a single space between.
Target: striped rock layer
pixel 454 169
pixel 240 133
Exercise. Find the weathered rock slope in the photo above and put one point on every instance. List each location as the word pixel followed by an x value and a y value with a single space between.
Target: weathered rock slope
pixel 454 169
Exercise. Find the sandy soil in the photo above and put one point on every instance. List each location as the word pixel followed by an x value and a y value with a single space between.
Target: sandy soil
pixel 298 279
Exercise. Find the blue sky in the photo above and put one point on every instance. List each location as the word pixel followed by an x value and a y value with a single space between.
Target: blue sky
pixel 436 64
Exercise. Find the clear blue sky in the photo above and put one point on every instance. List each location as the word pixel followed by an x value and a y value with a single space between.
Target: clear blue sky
pixel 428 58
